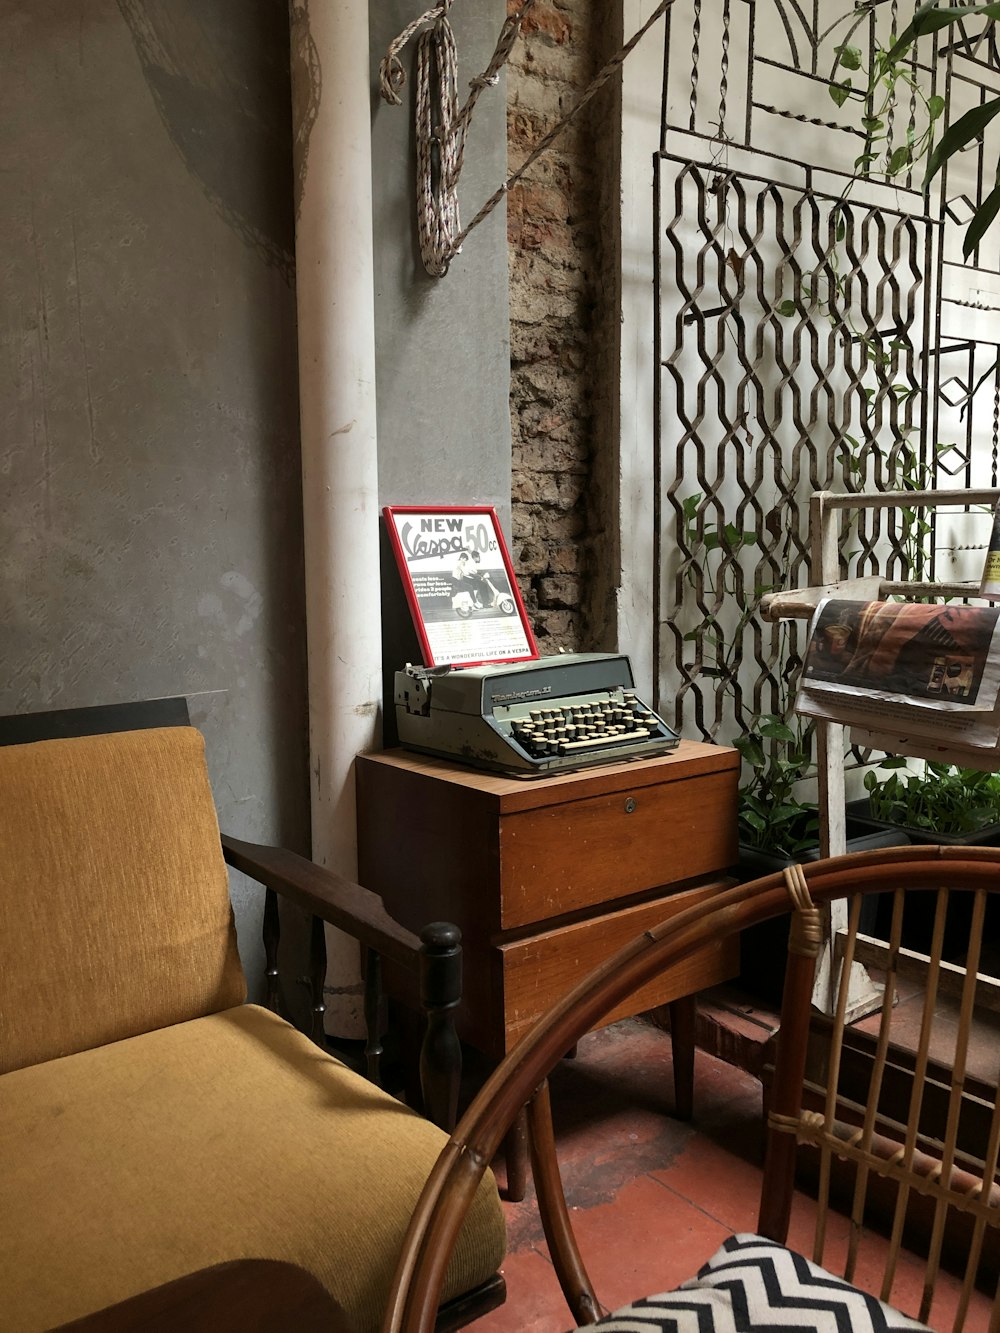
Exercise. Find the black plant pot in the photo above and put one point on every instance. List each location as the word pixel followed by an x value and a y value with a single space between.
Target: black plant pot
pixel 918 923
pixel 763 947
pixel 859 814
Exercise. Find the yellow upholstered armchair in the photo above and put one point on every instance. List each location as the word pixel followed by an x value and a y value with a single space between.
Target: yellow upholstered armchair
pixel 152 1123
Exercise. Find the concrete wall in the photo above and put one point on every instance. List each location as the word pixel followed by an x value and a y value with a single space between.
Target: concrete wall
pixel 442 344
pixel 151 520
pixel 151 540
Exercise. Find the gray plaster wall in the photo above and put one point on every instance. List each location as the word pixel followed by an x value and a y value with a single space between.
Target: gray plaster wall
pixel 442 344
pixel 149 468
pixel 149 465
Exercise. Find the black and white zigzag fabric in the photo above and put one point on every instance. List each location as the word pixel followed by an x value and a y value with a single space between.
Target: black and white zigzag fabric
pixel 752 1285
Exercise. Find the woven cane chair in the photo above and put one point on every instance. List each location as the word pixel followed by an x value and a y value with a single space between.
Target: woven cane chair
pixel 877 1117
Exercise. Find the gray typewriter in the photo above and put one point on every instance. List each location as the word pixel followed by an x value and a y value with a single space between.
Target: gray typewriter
pixel 530 718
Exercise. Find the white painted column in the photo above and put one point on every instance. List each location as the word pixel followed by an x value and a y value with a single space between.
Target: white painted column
pixel 642 79
pixel 336 320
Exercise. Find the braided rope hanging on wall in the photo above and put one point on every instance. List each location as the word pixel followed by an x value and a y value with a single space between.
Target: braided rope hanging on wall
pixel 441 127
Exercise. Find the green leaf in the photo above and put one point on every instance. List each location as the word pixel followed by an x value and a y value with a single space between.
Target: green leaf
pixel 754 804
pixel 931 17
pixel 689 506
pixel 786 308
pixel 982 218
pixel 751 750
pixel 872 123
pixel 840 92
pixel 899 159
pixel 786 814
pixel 736 539
pixel 849 57
pixel 776 730
pixel 935 107
pixel 958 134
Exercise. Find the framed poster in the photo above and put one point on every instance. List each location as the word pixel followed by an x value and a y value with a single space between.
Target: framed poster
pixel 460 585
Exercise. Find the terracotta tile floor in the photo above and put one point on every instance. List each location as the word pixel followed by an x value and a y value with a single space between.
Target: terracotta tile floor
pixel 651 1198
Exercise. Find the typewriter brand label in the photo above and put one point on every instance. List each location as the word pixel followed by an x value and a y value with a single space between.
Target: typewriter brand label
pixel 513 695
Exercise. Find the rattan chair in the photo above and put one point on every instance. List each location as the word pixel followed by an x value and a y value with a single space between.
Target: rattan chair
pixel 905 1124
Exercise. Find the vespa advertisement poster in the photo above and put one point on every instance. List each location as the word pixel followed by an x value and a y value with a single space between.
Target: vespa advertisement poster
pixel 460 585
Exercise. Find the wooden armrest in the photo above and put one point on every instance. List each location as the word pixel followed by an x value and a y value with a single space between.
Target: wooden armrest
pixel 436 957
pixel 325 894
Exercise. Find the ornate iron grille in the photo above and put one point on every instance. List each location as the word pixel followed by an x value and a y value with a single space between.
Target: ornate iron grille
pixel 813 331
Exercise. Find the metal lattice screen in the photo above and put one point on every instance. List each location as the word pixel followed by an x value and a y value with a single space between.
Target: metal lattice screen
pixel 815 330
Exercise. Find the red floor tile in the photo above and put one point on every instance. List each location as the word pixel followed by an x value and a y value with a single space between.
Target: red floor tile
pixel 726 1186
pixel 535 1303
pixel 651 1198
pixel 650 1239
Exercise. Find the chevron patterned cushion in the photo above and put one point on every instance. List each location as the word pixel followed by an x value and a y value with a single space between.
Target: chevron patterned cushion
pixel 752 1285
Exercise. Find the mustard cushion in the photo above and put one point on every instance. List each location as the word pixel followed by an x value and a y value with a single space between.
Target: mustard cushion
pixel 114 897
pixel 228 1137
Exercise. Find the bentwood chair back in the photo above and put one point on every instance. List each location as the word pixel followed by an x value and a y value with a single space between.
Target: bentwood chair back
pixel 907 1131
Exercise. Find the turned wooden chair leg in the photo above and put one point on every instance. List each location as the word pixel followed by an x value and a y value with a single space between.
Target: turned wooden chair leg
pixel 515 1147
pixel 440 996
pixel 682 1024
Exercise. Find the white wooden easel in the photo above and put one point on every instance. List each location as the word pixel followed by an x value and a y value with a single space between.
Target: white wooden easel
pixel 825 506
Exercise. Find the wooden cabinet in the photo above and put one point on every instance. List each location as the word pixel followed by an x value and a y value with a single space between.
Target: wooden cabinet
pixel 548 877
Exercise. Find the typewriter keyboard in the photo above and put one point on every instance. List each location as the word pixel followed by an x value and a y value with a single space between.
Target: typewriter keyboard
pixel 586 728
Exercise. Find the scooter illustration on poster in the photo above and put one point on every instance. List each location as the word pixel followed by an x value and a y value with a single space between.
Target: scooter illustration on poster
pixel 474 590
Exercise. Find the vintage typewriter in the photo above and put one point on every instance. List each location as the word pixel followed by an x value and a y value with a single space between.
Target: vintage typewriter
pixel 530 718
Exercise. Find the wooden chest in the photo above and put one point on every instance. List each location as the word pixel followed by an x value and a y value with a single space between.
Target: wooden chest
pixel 548 877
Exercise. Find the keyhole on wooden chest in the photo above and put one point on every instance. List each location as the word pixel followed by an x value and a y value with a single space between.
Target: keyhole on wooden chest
pixel 630 804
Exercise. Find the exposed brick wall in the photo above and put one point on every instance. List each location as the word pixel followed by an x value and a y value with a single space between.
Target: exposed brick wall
pixel 559 320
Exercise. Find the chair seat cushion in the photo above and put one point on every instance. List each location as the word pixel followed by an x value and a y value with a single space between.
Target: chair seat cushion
pixel 755 1284
pixel 228 1137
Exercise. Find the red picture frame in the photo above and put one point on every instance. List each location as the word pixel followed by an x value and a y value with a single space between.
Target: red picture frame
pixel 460 584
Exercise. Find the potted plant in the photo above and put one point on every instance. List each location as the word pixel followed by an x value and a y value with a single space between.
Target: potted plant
pixel 941 804
pixel 778 828
pixel 944 803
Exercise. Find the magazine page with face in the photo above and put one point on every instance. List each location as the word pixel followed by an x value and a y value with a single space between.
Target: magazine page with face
pixel 919 668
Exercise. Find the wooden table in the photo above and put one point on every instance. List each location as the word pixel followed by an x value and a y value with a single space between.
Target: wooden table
pixel 548 877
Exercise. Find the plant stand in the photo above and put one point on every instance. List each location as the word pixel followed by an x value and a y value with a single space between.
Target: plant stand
pixel 825 506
